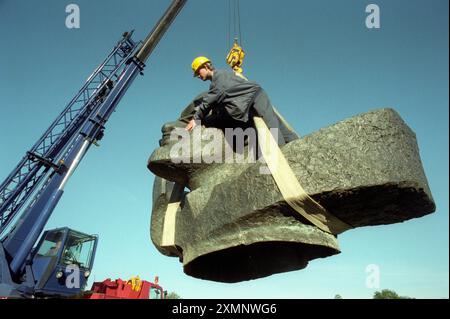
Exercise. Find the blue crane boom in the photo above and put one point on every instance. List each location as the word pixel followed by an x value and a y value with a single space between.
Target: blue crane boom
pixel 30 193
pixel 42 157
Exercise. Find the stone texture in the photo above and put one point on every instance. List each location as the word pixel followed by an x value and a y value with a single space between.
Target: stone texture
pixel 234 224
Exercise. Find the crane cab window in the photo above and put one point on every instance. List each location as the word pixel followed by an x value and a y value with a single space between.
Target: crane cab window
pixel 78 249
pixel 51 244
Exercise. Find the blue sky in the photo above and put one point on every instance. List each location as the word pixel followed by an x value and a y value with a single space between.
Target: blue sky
pixel 318 62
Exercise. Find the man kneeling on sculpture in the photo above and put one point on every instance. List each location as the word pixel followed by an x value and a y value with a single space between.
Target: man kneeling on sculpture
pixel 236 100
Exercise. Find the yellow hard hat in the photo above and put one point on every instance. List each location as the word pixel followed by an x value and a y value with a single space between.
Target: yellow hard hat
pixel 198 62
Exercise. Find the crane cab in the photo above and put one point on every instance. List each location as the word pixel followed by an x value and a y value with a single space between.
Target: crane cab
pixel 62 262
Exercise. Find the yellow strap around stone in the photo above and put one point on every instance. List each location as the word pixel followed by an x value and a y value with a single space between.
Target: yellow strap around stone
pixel 289 186
pixel 170 217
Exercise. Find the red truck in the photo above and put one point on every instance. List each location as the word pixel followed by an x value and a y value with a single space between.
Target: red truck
pixel 133 288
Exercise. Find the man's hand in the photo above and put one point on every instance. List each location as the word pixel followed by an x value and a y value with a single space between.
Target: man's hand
pixel 191 125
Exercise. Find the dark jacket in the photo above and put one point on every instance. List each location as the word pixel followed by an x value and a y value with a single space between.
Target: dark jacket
pixel 231 92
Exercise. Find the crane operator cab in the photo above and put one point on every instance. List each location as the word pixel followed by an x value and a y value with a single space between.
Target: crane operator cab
pixel 62 262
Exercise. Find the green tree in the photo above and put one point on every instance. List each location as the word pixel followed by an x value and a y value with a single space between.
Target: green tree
pixel 173 295
pixel 388 294
pixel 337 296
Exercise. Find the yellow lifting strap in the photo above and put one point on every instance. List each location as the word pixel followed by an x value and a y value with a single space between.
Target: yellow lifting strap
pixel 170 217
pixel 289 186
pixel 235 57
